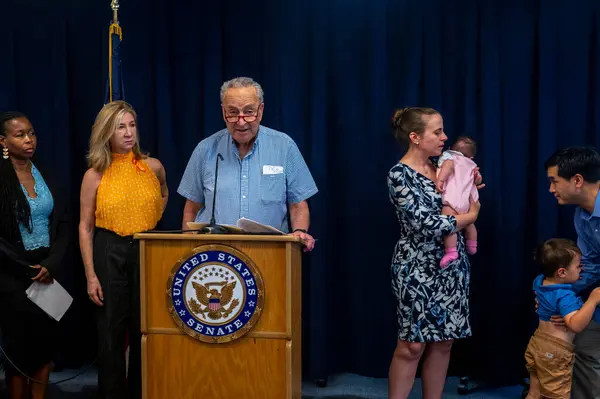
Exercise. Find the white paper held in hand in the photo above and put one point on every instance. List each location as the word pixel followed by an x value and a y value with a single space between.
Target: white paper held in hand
pixel 51 298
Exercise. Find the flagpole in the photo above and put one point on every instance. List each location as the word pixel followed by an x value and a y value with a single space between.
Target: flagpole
pixel 116 30
pixel 114 4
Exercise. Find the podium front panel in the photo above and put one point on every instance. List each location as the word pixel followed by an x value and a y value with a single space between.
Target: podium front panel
pixel 270 257
pixel 246 368
pixel 264 363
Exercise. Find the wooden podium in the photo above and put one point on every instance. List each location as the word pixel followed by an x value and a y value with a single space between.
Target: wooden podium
pixel 263 363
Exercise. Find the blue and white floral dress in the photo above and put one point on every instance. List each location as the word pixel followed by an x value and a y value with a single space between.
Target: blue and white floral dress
pixel 433 303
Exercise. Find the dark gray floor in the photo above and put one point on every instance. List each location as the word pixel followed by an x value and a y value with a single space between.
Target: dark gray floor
pixel 343 386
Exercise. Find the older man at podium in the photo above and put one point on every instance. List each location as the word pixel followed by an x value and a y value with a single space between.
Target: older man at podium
pixel 259 173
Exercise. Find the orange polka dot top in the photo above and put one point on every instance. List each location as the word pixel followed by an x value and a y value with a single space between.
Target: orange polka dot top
pixel 128 200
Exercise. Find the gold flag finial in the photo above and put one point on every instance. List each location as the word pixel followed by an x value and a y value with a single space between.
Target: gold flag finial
pixel 114 4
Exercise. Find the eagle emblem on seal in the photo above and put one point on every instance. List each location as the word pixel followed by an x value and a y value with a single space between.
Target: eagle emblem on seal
pixel 215 293
pixel 211 302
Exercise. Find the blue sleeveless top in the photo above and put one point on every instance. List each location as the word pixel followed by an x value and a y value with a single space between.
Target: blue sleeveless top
pixel 41 210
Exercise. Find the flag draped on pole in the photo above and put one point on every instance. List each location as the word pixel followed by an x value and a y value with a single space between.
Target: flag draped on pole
pixel 115 89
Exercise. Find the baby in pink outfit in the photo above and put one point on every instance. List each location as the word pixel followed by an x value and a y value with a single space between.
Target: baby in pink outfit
pixel 456 176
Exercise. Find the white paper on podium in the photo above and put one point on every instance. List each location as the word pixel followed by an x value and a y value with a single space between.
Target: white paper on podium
pixel 198 226
pixel 251 226
pixel 51 298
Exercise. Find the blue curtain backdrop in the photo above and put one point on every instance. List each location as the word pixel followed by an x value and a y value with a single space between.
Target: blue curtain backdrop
pixel 520 76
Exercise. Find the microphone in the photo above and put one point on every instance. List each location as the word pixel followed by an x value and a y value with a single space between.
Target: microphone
pixel 213 227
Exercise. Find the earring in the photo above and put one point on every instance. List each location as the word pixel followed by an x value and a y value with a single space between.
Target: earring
pixel 417 143
pixel 5 153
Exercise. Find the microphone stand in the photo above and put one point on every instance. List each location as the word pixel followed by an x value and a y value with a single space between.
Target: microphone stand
pixel 212 227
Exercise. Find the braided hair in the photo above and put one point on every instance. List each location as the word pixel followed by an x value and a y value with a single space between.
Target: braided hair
pixel 14 208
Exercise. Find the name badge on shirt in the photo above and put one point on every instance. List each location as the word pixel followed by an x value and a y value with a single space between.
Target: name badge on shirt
pixel 272 170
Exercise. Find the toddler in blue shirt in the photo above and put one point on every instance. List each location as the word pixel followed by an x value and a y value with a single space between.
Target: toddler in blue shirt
pixel 550 354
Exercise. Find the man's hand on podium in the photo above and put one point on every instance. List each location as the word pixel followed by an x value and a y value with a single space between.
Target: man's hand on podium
pixel 307 239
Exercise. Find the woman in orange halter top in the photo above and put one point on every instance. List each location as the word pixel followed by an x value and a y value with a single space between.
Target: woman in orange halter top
pixel 123 192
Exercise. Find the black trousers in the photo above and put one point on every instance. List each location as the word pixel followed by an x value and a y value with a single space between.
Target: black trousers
pixel 116 262
pixel 29 335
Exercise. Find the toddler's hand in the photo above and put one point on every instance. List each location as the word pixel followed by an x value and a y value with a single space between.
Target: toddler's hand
pixel 595 295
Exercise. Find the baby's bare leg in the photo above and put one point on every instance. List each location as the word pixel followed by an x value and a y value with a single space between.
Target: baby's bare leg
pixel 450 242
pixel 471 236
pixel 471 232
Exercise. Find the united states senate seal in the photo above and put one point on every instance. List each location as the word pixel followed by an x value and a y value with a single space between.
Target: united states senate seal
pixel 215 294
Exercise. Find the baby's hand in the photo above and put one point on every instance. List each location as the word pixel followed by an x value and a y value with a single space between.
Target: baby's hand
pixel 478 179
pixel 440 185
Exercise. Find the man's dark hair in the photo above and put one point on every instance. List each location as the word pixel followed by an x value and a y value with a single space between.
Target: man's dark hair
pixel 573 161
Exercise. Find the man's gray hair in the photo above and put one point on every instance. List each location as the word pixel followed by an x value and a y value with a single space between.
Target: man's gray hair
pixel 237 83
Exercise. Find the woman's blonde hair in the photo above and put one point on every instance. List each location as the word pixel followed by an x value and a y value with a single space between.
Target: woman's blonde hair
pixel 107 121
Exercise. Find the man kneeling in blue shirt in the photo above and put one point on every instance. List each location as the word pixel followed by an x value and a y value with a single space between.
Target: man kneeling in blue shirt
pixel 550 354
pixel 574 177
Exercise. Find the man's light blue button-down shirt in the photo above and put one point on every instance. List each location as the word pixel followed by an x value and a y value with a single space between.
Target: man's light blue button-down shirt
pixel 259 187
pixel 587 226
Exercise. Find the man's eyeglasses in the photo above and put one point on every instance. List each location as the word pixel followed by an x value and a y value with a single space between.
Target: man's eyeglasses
pixel 249 116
